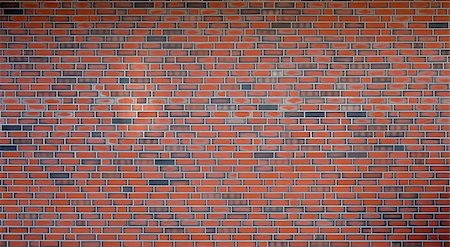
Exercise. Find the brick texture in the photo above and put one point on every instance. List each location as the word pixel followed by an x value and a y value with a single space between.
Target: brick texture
pixel 224 123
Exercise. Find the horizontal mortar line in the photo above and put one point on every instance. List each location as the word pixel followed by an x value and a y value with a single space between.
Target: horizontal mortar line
pixel 232 206
pixel 212 206
pixel 268 219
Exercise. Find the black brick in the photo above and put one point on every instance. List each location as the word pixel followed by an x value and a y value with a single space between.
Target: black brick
pixel 281 25
pixel 144 4
pixel 59 175
pixel 196 5
pixel 121 121
pixel 264 155
pixel 11 127
pixel 246 86
pixel 164 162
pixel 13 11
pixel 268 107
pixel 8 148
pixel 9 5
pixel 158 182
pixel 392 216
pixel 156 38
pixel 356 114
pixel 294 114
pixel 438 25
pixel 314 114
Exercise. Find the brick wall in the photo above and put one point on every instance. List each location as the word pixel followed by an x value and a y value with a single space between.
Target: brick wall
pixel 224 123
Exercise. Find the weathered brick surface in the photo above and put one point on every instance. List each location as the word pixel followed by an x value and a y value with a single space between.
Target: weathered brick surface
pixel 224 123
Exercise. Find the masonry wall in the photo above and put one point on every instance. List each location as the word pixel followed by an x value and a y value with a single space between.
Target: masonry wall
pixel 224 123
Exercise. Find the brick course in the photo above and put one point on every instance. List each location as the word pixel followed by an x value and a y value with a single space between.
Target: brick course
pixel 224 123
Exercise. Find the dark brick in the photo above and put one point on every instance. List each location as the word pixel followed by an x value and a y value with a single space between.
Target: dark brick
pixel 137 222
pixel 220 100
pixel 314 114
pixel 445 52
pixel 91 161
pixel 281 25
pixel 22 141
pixel 9 5
pixel 381 66
pixel 285 5
pixel 383 148
pixel 144 4
pixel 172 46
pixel 127 189
pixel 8 148
pixel 64 182
pixel 196 5
pixel 173 229
pixel 392 216
pixel 263 155
pixel 13 11
pixel 96 134
pixel 210 230
pixel 336 154
pixel 156 38
pixel 301 24
pixel 59 175
pixel 294 114
pixel 173 32
pixel 121 120
pixel 356 154
pixel 394 134
pixel 124 80
pixel 250 11
pixel 11 127
pixel 343 59
pixel 438 25
pixel 381 79
pixel 246 86
pixel 158 182
pixel 354 25
pixel 399 148
pixel 162 162
pixel 268 107
pixel 356 114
